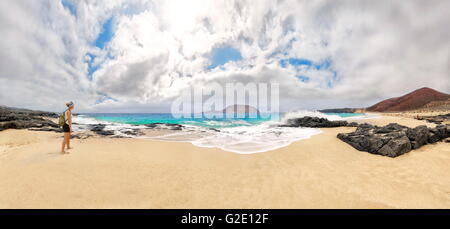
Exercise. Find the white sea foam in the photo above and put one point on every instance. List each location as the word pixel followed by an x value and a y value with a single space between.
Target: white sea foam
pixel 243 139
pixel 303 113
pixel 254 139
pixel 82 123
pixel 331 117
pixel 268 135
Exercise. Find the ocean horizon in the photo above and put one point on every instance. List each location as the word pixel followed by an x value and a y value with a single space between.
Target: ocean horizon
pixel 223 122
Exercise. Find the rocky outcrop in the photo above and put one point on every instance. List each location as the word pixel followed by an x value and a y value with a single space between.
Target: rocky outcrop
pixel 315 122
pixel 13 118
pixel 170 126
pixel 133 132
pixel 418 136
pixel 393 140
pixel 438 119
pixel 100 129
pixel 438 133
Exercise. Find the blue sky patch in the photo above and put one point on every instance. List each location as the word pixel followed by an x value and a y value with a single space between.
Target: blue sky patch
pixel 331 81
pixel 325 64
pixel 296 62
pixel 223 55
pixel 104 98
pixel 106 34
pixel 322 65
pixel 70 6
pixel 304 79
pixel 91 67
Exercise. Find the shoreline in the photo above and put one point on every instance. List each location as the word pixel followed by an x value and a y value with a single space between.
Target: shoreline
pixel 319 172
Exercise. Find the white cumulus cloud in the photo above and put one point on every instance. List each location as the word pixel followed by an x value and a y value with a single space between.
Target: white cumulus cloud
pixel 358 52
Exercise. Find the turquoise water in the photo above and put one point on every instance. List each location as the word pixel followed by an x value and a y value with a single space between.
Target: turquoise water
pixel 147 118
pixel 238 135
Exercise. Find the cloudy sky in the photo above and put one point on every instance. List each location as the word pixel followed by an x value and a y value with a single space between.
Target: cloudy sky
pixel 137 55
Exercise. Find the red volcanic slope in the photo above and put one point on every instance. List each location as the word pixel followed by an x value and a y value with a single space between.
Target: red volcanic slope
pixel 411 101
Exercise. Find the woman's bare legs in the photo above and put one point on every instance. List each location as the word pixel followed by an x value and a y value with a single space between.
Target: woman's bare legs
pixel 66 141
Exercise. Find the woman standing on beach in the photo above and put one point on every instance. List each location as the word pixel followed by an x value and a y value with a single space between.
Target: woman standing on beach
pixel 67 127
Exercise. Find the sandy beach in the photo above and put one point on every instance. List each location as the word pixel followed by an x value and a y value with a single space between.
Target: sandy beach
pixel 320 172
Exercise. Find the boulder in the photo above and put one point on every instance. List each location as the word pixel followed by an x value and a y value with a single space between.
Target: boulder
pixel 393 140
pixel 170 126
pixel 352 124
pixel 418 136
pixel 391 127
pixel 438 133
pixel 97 127
pixel 314 122
pixel 105 132
pixel 133 132
pixel 396 147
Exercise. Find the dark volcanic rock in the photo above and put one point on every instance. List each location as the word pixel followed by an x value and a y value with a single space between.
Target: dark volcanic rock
pixel 133 132
pixel 314 122
pixel 13 118
pixel 105 132
pixel 391 127
pixel 438 119
pixel 438 133
pixel 352 124
pixel 99 129
pixel 393 140
pixel 396 147
pixel 418 136
pixel 170 126
pixel 59 130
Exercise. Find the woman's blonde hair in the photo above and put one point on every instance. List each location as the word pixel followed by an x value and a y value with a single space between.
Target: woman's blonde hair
pixel 69 104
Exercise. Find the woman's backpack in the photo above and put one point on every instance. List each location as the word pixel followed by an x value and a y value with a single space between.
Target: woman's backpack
pixel 62 118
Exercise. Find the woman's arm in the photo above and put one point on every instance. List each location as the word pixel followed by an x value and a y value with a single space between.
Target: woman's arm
pixel 70 119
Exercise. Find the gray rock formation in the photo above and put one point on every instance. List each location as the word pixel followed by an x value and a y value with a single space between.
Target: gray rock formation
pixel 100 129
pixel 314 122
pixel 169 126
pixel 393 140
pixel 438 119
pixel 14 118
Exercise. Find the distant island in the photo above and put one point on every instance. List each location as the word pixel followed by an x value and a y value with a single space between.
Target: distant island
pixel 239 109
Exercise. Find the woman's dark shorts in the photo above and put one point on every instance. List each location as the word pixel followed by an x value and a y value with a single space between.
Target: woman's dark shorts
pixel 66 128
